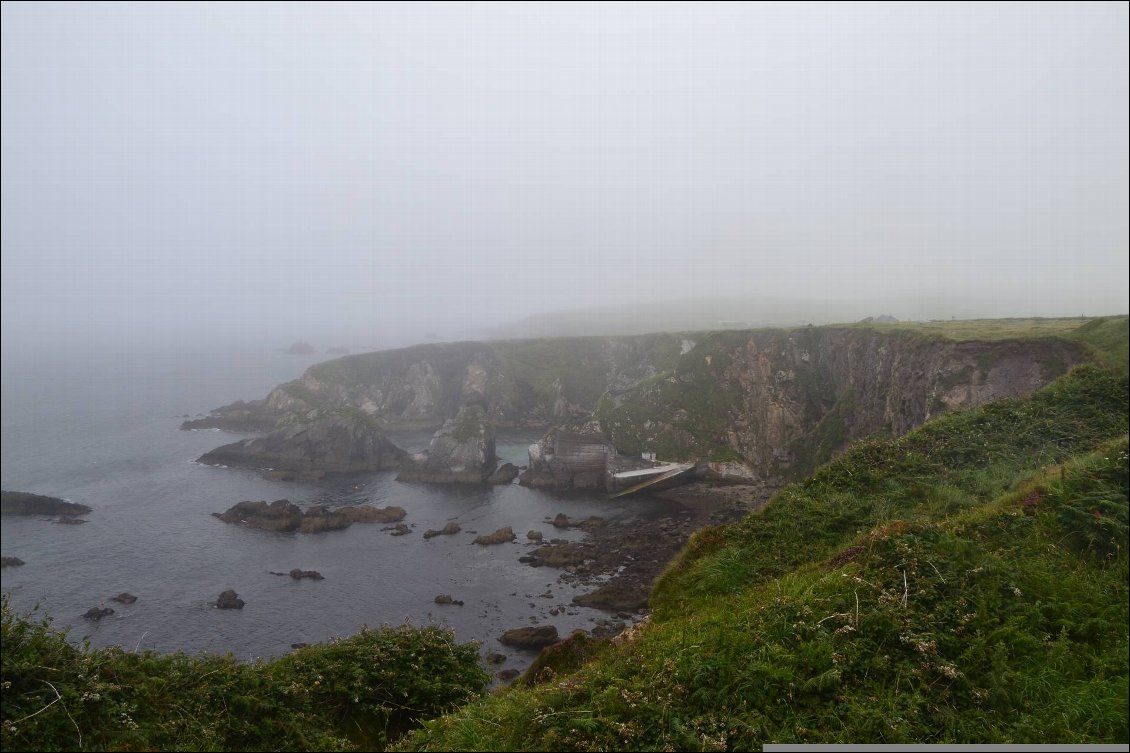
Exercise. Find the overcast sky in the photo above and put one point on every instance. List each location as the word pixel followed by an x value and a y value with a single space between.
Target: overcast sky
pixel 365 174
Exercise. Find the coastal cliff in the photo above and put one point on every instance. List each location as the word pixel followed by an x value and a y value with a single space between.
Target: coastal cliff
pixel 766 404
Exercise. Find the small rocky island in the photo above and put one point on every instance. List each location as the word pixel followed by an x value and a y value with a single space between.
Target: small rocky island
pixel 25 503
pixel 312 447
pixel 284 516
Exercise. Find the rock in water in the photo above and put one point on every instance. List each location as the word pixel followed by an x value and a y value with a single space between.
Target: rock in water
pixel 125 597
pixel 534 535
pixel 505 474
pixel 284 515
pixel 446 599
pixel 97 613
pixel 501 536
pixel 530 637
pixel 507 674
pixel 299 574
pixel 462 451
pixel 24 503
pixel 229 600
pixel 10 562
pixel 333 444
pixel 448 530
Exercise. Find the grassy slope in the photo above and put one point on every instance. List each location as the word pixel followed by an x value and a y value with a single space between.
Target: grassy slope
pixel 348 694
pixel 900 594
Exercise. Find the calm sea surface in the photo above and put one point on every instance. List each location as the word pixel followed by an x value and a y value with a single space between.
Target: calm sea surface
pixel 103 430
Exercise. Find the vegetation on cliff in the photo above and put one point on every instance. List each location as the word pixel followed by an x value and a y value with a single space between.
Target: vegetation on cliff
pixel 348 694
pixel 964 583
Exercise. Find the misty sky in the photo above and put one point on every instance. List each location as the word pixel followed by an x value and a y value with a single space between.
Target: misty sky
pixel 364 175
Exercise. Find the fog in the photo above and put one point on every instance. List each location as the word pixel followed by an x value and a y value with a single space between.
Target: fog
pixel 374 175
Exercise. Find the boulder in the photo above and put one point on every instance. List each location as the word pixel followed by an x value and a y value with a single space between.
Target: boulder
pixel 501 536
pixel 462 451
pixel 534 535
pixel 446 599
pixel 495 658
pixel 125 597
pixel 229 600
pixel 314 447
pixel 448 530
pixel 530 637
pixel 299 574
pixel 561 520
pixel 505 474
pixel 24 503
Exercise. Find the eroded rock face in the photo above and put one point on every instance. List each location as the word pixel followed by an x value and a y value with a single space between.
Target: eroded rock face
pixel 462 451
pixel 285 516
pixel 25 503
pixel 313 448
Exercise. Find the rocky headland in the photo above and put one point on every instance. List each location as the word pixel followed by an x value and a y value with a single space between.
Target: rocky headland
pixel 311 447
pixel 25 503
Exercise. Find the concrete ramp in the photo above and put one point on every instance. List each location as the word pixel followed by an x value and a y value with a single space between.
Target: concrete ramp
pixel 654 478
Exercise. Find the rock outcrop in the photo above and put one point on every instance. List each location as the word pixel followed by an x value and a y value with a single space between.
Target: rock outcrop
pixel 462 451
pixel 312 448
pixel 229 599
pixel 501 536
pixel 505 474
pixel 450 529
pixel 252 415
pixel 25 503
pixel 530 637
pixel 284 516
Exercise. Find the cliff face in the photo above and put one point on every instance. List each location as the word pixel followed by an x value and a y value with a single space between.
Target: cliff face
pixel 523 382
pixel 785 401
pixel 755 402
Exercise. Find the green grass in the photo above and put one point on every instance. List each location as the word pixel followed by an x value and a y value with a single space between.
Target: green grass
pixel 964 583
pixel 346 695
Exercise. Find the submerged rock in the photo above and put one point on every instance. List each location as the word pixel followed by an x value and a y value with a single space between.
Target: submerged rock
pixel 97 613
pixel 299 574
pixel 530 637
pixel 507 674
pixel 501 536
pixel 446 599
pixel 229 600
pixel 462 451
pixel 125 597
pixel 448 530
pixel 328 444
pixel 10 562
pixel 25 503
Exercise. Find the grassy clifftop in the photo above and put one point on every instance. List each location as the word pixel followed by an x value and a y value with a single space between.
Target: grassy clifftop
pixel 964 583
